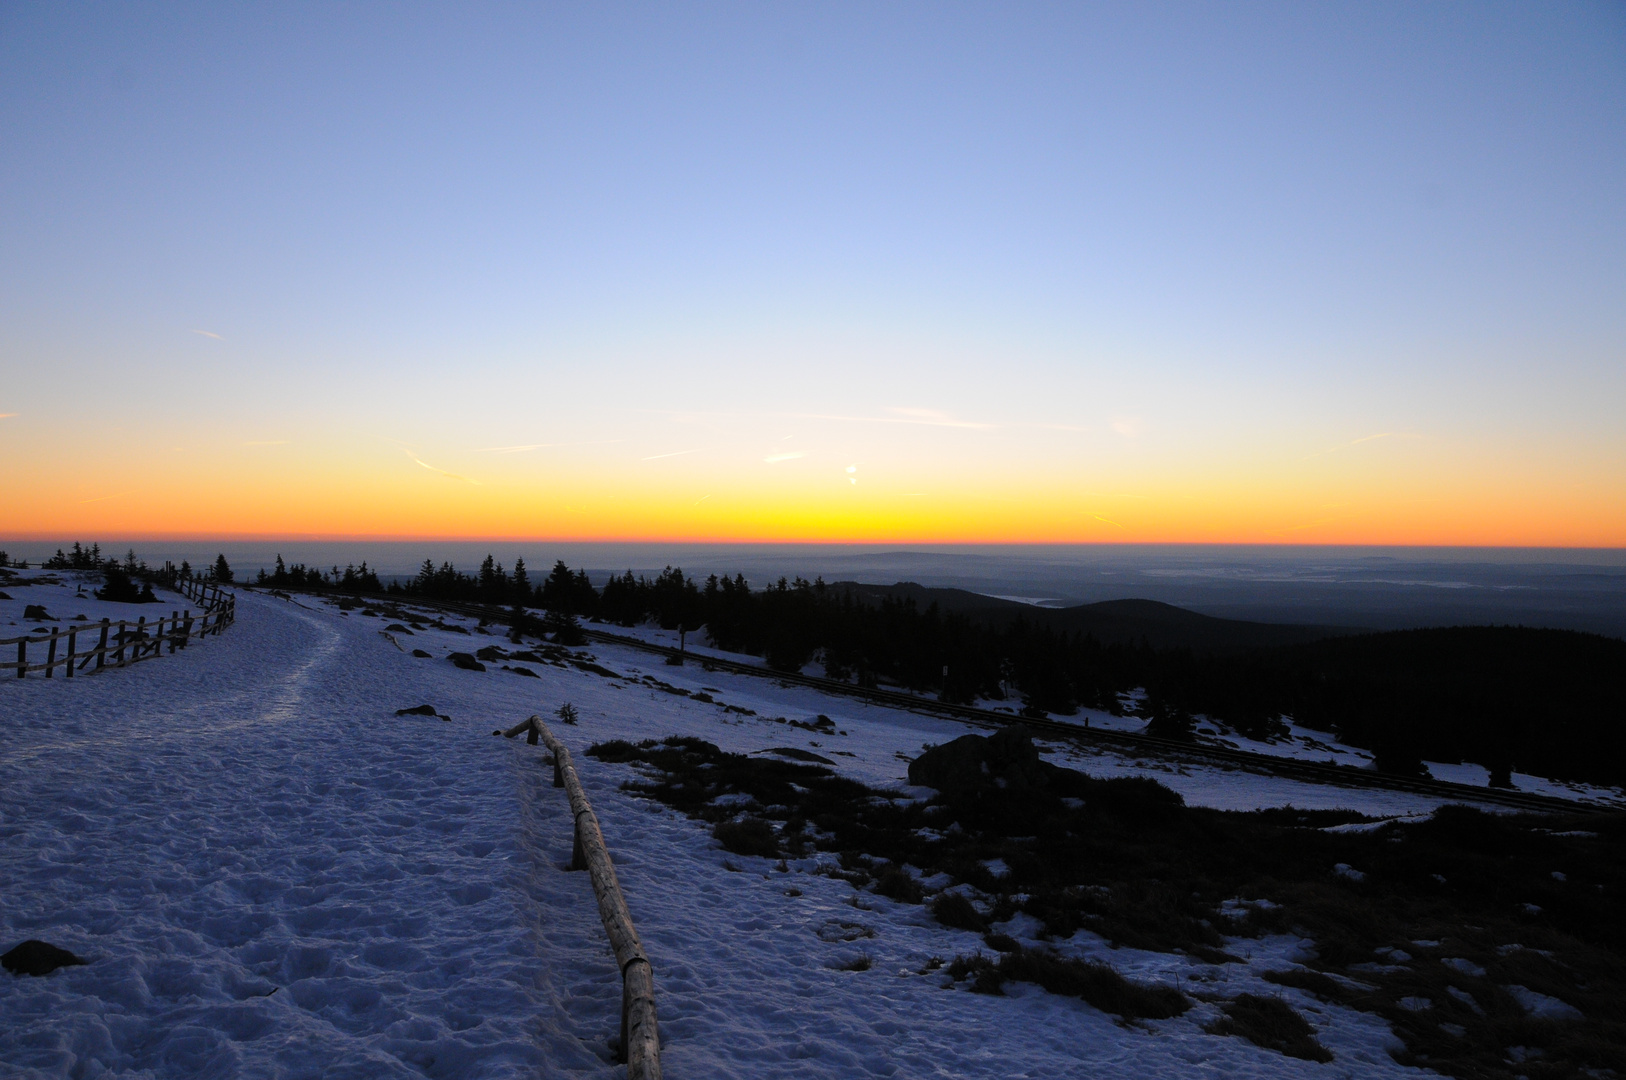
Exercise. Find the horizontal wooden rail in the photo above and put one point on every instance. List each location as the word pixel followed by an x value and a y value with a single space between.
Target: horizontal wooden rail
pixel 640 1035
pixel 126 642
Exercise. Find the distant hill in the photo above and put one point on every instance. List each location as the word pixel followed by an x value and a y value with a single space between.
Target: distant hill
pixel 1160 625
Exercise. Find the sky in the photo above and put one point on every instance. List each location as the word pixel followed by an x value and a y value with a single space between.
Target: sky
pixel 954 273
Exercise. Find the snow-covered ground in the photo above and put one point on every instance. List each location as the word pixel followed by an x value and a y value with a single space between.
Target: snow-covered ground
pixel 272 874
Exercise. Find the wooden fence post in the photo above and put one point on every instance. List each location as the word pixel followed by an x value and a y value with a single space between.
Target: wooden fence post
pixel 50 656
pixel 101 647
pixel 22 656
pixel 640 1035
pixel 73 636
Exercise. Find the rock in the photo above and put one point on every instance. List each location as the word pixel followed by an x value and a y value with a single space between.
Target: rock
pixel 421 655
pixel 396 628
pixel 522 671
pixel 421 710
pixel 491 653
pixel 35 611
pixel 466 662
pixel 1006 759
pixel 34 957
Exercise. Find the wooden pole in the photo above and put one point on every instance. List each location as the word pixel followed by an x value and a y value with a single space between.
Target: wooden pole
pixel 72 639
pixel 22 656
pixel 50 656
pixel 640 1034
pixel 101 647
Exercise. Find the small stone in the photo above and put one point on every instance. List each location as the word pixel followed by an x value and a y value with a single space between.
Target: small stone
pixel 466 662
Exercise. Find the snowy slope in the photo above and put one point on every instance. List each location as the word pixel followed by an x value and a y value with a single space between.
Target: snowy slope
pixel 273 875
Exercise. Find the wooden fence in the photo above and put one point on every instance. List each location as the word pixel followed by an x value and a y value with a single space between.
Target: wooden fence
pixel 640 1037
pixel 122 643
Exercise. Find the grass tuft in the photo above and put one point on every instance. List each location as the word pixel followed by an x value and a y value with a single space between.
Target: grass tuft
pixel 1096 984
pixel 1271 1023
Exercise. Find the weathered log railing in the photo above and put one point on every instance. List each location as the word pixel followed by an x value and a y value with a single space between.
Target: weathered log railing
pixel 640 1038
pixel 124 641
pixel 207 593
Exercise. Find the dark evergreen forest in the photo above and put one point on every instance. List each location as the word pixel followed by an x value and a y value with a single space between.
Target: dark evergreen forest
pixel 1550 702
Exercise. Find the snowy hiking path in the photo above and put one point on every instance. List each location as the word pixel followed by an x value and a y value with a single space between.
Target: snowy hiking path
pixel 270 883
pixel 251 814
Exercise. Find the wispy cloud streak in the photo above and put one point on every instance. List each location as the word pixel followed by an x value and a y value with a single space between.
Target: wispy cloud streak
pixel 538 446
pixel 443 472
pixel 1364 439
pixel 908 417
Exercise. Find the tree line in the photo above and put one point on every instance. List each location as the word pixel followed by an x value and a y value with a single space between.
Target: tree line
pixel 1509 698
pixel 1552 702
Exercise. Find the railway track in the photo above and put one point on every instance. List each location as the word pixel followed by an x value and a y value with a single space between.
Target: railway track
pixel 1142 745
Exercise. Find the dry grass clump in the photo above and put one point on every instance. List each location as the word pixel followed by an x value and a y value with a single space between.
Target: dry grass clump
pixel 1271 1023
pixel 1096 984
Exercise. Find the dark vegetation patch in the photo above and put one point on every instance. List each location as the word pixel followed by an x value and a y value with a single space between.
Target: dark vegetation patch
pixel 1271 1023
pixel 1097 984
pixel 117 585
pixel 465 661
pixel 953 909
pixel 1126 859
pixel 753 836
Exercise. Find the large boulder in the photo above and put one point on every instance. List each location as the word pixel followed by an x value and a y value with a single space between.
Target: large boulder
pixel 1006 760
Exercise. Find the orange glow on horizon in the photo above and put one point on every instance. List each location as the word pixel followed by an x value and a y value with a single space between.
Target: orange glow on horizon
pixel 277 488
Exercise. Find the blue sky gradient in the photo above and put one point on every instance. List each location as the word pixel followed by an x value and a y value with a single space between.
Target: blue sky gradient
pixel 1133 244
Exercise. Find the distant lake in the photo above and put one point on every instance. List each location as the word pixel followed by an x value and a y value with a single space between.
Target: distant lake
pixel 1379 587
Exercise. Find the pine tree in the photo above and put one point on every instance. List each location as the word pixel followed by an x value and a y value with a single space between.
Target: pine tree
pixel 222 569
pixel 564 627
